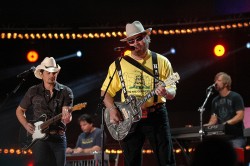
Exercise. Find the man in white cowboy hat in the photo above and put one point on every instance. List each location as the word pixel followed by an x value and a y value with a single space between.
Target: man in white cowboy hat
pixel 47 100
pixel 153 122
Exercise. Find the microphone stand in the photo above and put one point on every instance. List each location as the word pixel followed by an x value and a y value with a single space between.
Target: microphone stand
pixel 102 106
pixel 12 93
pixel 202 109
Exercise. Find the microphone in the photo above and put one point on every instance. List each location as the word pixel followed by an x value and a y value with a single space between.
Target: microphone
pixel 131 48
pixel 26 72
pixel 211 86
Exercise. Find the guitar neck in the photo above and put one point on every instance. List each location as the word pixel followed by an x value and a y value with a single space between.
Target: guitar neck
pixel 46 124
pixel 145 98
pixel 149 95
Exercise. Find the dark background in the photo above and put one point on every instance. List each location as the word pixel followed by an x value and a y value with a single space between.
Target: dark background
pixel 194 59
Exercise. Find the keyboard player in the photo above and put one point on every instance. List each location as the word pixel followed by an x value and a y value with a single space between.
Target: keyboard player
pixel 228 109
pixel 89 140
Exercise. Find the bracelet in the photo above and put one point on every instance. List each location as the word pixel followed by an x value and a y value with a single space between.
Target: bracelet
pixel 113 107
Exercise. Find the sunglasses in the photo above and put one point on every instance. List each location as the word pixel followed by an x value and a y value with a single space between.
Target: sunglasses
pixel 137 39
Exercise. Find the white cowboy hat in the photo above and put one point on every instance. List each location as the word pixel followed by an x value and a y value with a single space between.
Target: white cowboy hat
pixel 134 29
pixel 48 64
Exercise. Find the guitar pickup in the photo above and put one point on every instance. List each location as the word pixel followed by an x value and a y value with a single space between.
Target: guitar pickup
pixel 124 113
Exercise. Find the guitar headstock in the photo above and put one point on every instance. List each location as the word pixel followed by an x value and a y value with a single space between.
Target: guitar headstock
pixel 79 106
pixel 172 79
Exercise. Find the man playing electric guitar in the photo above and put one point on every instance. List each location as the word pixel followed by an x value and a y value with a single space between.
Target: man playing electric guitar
pixel 41 128
pixel 133 81
pixel 51 99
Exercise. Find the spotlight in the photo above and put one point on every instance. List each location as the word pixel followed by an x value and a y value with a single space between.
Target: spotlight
pixel 79 53
pixel 32 56
pixel 219 50
pixel 172 50
pixel 248 45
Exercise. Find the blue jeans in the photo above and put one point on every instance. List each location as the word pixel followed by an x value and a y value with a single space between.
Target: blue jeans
pixel 157 130
pixel 238 142
pixel 50 152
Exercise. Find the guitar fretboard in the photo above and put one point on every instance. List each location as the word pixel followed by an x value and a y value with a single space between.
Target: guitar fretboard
pixel 50 121
pixel 46 124
pixel 145 98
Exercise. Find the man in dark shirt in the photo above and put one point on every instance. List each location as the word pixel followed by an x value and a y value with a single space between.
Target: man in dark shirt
pixel 228 109
pixel 47 100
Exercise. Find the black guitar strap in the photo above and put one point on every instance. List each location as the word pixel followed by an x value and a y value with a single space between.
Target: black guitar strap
pixel 57 105
pixel 156 73
pixel 58 101
pixel 119 70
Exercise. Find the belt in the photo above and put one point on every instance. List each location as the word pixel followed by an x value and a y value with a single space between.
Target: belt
pixel 57 132
pixel 150 109
pixel 154 107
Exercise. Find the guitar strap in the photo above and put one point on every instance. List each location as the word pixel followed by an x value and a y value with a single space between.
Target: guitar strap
pixel 119 70
pixel 156 73
pixel 57 100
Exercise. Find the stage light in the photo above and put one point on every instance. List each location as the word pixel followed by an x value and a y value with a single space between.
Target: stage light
pixel 76 54
pixel 31 163
pixel 79 53
pixel 18 151
pixel 149 151
pixel 32 56
pixel 12 151
pixel 178 151
pixel 172 51
pixel 113 151
pixel 119 151
pixel 219 50
pixel 6 151
pixel 248 45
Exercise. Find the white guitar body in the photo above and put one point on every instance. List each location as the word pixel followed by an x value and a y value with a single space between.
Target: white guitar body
pixel 38 132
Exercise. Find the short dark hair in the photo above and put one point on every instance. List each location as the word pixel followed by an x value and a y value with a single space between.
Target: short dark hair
pixel 85 117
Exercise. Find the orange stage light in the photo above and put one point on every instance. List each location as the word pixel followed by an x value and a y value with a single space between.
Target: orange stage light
pixel 32 56
pixel 219 50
